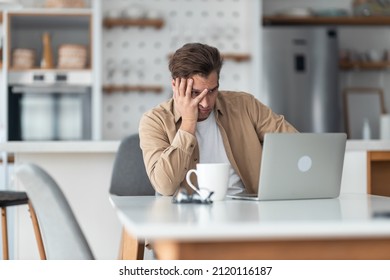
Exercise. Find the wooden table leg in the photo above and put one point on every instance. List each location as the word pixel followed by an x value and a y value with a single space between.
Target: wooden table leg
pixel 131 248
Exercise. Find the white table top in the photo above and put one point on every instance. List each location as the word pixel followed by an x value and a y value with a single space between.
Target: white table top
pixel 351 215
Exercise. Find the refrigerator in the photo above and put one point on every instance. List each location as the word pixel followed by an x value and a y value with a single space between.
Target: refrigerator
pixel 300 76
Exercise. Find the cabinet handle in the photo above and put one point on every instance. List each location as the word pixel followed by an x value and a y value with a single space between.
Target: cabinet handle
pixel 38 77
pixel 61 78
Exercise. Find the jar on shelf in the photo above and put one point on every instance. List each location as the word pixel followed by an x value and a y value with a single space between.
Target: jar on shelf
pixel 47 54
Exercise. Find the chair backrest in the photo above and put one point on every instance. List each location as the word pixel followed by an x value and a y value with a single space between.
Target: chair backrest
pixel 62 236
pixel 129 175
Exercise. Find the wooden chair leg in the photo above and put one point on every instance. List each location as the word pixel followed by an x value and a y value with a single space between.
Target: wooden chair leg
pixel 37 231
pixel 130 247
pixel 4 233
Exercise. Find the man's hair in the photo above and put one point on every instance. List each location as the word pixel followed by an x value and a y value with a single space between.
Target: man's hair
pixel 195 59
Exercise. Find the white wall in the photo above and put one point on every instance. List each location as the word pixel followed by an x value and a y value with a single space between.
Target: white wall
pixel 233 26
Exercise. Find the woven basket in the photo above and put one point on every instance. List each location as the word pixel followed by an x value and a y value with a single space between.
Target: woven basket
pixel 64 4
pixel 72 56
pixel 23 58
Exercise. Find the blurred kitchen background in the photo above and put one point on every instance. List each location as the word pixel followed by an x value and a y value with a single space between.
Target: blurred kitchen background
pixel 88 69
pixel 332 58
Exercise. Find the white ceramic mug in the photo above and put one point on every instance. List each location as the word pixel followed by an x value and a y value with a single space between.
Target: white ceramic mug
pixel 211 176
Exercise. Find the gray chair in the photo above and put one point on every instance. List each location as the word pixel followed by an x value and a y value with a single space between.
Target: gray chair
pixel 129 178
pixel 62 236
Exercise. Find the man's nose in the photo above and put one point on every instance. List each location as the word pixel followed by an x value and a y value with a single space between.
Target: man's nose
pixel 205 101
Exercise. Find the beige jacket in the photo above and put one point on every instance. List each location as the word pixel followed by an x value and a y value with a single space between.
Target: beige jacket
pixel 170 152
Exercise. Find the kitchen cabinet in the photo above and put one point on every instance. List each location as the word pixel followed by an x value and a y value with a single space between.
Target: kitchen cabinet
pixel 61 95
pixel 25 31
pixel 378 175
pixel 368 164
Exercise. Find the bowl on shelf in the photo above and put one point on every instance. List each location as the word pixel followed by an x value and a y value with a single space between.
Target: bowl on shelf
pixel 71 56
pixel 23 58
pixel 65 4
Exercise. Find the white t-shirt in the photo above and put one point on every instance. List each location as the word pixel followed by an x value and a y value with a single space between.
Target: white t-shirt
pixel 212 150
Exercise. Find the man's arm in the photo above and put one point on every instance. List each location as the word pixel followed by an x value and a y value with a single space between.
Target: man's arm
pixel 168 160
pixel 166 163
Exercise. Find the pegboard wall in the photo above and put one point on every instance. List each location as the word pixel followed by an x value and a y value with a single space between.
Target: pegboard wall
pixel 134 55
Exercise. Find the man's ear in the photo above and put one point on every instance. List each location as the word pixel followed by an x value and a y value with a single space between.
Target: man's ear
pixel 173 84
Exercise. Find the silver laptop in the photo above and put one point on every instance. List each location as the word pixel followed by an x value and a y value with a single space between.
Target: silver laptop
pixel 300 166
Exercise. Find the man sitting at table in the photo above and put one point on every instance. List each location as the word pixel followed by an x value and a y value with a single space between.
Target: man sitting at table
pixel 202 124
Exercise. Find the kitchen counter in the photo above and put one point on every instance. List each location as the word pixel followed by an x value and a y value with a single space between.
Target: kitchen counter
pixel 368 145
pixel 60 146
pixel 112 146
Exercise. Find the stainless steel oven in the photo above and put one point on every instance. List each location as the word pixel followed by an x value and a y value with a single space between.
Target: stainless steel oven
pixel 45 106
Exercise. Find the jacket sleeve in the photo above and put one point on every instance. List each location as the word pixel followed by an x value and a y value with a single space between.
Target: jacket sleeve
pixel 166 160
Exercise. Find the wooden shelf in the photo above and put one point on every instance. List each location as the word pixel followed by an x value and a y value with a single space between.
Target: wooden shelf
pixel 156 23
pixel 311 20
pixel 231 56
pixel 382 65
pixel 127 88
pixel 236 57
pixel 51 70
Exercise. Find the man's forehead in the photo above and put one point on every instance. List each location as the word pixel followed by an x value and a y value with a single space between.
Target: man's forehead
pixel 209 88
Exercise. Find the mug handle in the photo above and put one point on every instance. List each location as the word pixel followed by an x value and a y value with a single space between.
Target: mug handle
pixel 189 180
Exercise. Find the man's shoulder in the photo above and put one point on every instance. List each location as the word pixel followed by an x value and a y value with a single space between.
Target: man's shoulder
pixel 235 94
pixel 163 109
